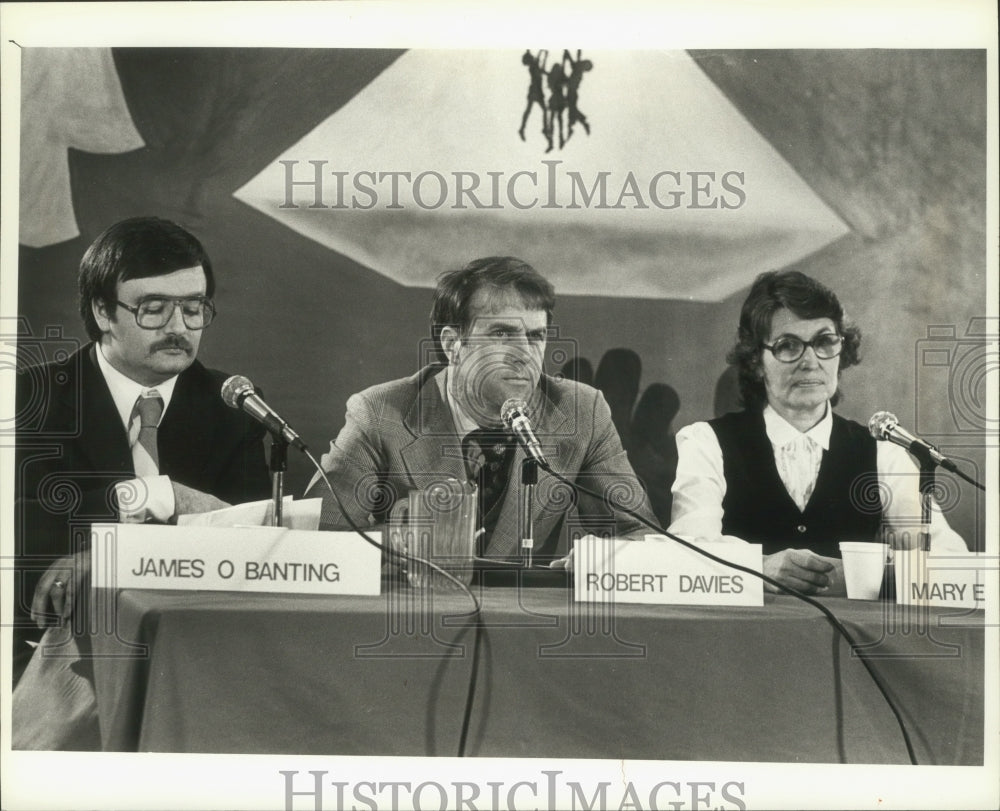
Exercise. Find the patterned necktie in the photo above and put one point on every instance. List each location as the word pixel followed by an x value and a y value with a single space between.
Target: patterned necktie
pixel 489 453
pixel 149 407
pixel 798 464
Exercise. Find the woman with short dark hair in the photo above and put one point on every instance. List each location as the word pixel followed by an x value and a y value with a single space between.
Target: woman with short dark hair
pixel 787 472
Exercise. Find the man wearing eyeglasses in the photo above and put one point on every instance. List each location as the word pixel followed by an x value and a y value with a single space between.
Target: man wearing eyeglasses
pixel 134 428
pixel 788 473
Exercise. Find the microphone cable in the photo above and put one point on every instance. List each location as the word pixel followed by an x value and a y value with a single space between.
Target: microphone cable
pixel 476 616
pixel 838 626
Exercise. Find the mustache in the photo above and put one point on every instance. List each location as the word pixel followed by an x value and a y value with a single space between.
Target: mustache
pixel 172 342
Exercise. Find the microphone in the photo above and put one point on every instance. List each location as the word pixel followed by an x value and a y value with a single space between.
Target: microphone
pixel 514 416
pixel 884 425
pixel 239 393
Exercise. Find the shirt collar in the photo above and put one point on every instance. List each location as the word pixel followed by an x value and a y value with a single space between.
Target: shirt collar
pixel 125 391
pixel 781 432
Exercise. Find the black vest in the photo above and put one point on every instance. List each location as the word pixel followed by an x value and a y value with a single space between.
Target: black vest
pixel 844 505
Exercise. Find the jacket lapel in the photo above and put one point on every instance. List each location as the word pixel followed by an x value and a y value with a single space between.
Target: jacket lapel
pixel 190 422
pixel 103 440
pixel 435 451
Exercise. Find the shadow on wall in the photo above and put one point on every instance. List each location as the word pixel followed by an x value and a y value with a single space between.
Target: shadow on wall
pixel 645 424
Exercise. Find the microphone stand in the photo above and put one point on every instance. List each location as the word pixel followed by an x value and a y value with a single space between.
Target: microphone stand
pixel 529 478
pixel 279 464
pixel 927 467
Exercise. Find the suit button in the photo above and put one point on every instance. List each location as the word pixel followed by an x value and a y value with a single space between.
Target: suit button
pixel 801 528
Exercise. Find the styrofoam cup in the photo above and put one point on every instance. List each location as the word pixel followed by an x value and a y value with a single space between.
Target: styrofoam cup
pixel 864 563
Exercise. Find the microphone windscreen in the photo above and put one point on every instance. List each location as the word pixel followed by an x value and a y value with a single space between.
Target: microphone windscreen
pixel 235 389
pixel 881 423
pixel 512 408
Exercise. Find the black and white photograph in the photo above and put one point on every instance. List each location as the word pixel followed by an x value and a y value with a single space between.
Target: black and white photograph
pixel 465 406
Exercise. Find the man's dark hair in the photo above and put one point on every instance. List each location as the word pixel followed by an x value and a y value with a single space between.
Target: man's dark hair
pixel 136 248
pixel 807 299
pixel 499 276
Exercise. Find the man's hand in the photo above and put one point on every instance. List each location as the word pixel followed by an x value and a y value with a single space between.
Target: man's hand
pixel 804 571
pixel 56 591
pixel 567 562
pixel 563 563
pixel 188 501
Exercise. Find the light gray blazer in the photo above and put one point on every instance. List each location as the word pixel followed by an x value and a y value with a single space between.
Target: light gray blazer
pixel 400 435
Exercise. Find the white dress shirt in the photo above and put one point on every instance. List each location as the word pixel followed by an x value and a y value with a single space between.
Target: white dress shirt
pixel 145 497
pixel 700 485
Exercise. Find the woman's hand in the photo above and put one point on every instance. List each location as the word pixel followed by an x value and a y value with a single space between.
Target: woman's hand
pixel 804 571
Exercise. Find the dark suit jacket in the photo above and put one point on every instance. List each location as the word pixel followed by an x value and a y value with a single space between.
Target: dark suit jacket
pixel 400 436
pixel 72 448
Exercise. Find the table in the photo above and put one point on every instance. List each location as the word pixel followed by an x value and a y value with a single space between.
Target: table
pixel 388 675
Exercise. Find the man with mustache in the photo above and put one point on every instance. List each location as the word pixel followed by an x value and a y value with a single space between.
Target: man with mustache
pixel 490 322
pixel 131 427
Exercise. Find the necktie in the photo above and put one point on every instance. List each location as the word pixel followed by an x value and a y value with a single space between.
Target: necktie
pixel 149 407
pixel 489 453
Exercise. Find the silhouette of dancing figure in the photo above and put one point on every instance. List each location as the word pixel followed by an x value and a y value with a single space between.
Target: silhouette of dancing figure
pixel 557 103
pixel 536 69
pixel 576 71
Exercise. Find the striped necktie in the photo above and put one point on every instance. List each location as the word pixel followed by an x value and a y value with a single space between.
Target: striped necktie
pixel 149 409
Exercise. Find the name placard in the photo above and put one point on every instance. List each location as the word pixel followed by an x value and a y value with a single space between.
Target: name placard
pixel 659 570
pixel 924 578
pixel 254 559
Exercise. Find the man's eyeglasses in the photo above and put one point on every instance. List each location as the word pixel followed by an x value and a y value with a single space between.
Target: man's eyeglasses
pixel 789 349
pixel 156 312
